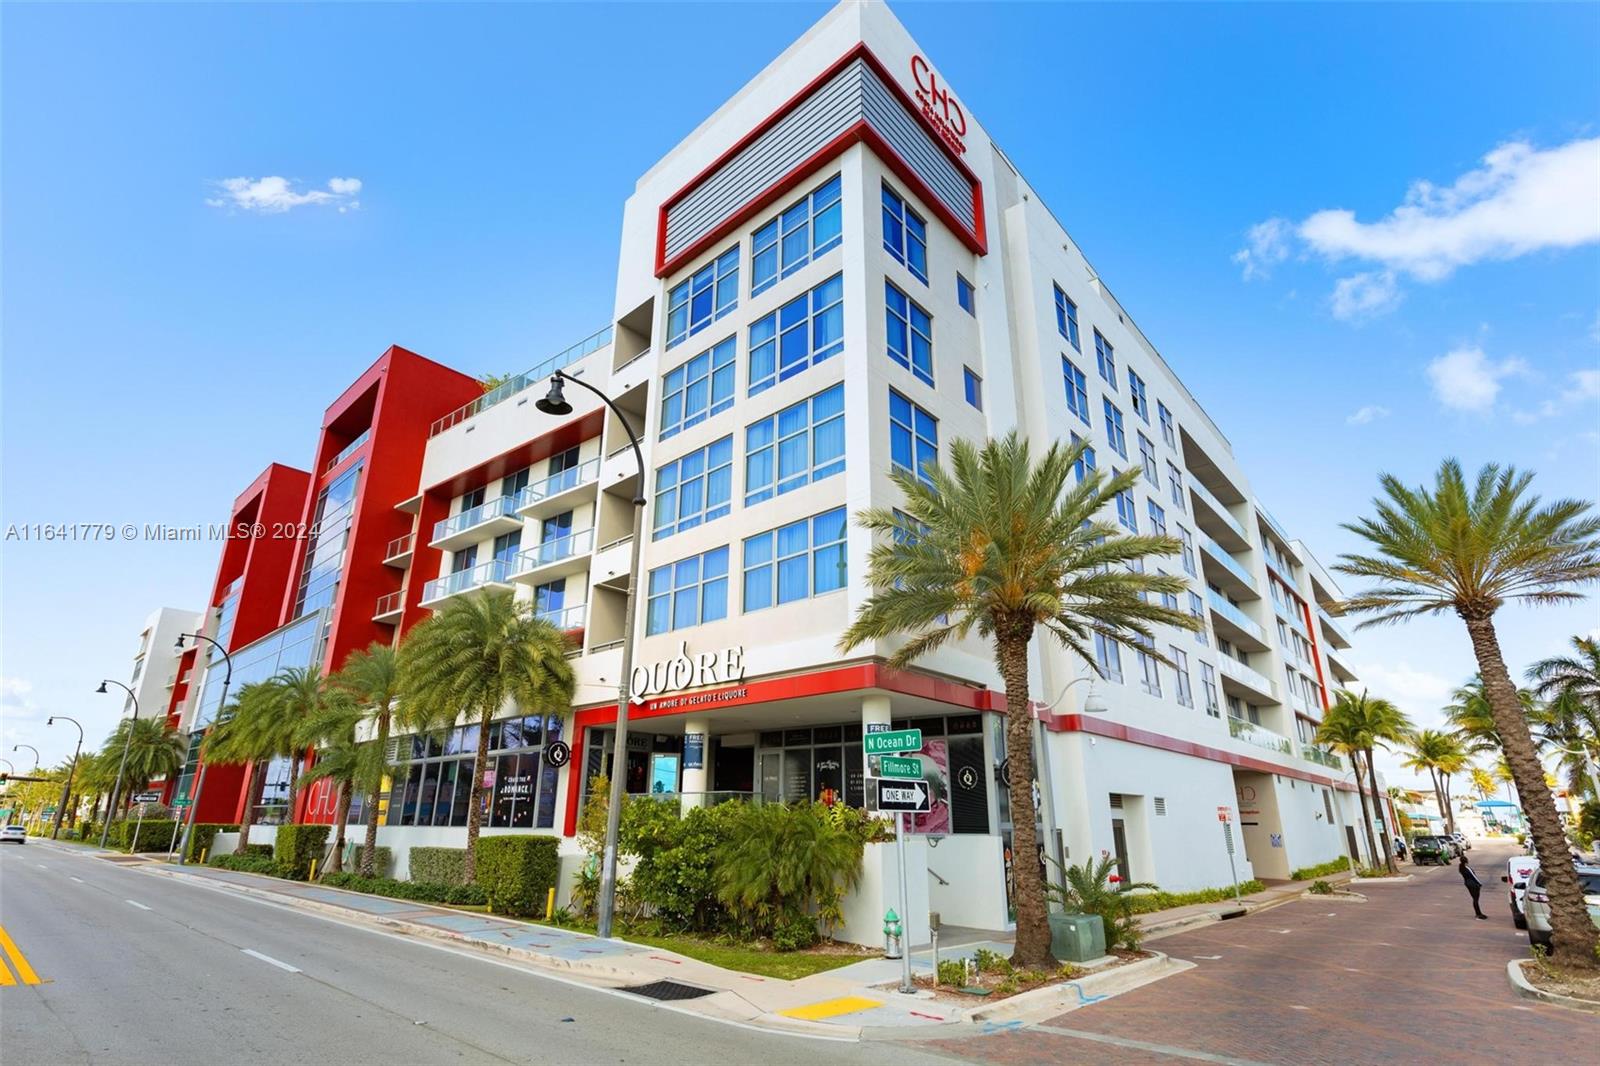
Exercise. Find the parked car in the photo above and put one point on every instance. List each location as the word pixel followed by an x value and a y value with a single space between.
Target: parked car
pixel 1536 903
pixel 13 834
pixel 1519 868
pixel 1461 842
pixel 1438 850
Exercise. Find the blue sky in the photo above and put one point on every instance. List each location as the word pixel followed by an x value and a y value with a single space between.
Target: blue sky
pixel 159 350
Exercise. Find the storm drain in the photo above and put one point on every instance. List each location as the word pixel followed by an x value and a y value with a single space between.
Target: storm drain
pixel 668 990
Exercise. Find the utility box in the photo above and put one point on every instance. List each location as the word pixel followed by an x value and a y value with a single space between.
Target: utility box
pixel 1077 937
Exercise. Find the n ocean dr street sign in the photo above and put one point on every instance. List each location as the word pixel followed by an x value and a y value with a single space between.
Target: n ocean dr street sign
pixel 893 743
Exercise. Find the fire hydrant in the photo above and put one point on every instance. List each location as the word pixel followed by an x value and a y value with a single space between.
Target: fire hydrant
pixel 891 935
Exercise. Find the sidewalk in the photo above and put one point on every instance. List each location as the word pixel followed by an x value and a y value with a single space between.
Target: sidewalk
pixel 850 1003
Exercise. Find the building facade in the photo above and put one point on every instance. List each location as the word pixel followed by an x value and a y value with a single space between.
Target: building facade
pixel 836 274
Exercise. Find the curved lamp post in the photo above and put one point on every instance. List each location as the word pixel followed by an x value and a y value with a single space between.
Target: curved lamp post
pixel 66 786
pixel 31 748
pixel 116 789
pixel 1093 703
pixel 555 403
pixel 1588 766
pixel 200 778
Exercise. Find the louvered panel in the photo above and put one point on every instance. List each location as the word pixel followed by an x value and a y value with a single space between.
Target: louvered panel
pixel 907 136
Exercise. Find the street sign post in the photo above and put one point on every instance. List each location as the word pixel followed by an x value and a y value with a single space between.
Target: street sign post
pixel 900 766
pixel 903 797
pixel 147 797
pixel 1223 816
pixel 894 743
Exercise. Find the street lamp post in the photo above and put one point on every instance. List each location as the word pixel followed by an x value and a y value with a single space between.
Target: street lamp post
pixel 555 403
pixel 1093 703
pixel 1588 767
pixel 31 748
pixel 200 778
pixel 116 789
pixel 66 786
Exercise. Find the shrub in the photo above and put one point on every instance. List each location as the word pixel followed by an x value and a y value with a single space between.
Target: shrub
pixel 1320 888
pixel 1146 902
pixel 422 891
pixel 795 932
pixel 297 845
pixel 517 872
pixel 675 873
pixel 250 864
pixel 991 961
pixel 953 972
pixel 443 866
pixel 1333 866
pixel 152 836
pixel 203 836
pixel 382 858
pixel 263 851
pixel 1088 888
pixel 780 861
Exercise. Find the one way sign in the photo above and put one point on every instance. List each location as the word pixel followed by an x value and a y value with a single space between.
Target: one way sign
pixel 910 797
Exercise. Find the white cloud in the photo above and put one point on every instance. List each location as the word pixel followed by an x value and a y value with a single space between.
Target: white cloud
pixel 1521 200
pixel 275 195
pixel 1586 384
pixel 1467 380
pixel 1370 413
pixel 1417 692
pixel 1267 244
pixel 1364 295
pixel 1582 386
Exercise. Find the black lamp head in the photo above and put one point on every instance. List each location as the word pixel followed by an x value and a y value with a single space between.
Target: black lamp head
pixel 102 689
pixel 555 401
pixel 179 644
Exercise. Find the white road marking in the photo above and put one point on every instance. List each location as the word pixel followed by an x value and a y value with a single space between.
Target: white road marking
pixel 41 866
pixel 78 879
pixel 269 960
pixel 1210 957
pixel 1296 1006
pixel 136 903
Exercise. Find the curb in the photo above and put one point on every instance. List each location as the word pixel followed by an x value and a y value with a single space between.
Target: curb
pixel 1527 990
pixel 1071 995
pixel 1400 880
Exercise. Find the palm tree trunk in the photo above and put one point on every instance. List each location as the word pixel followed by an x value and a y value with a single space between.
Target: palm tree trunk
pixel 1366 815
pixel 294 787
pixel 1032 948
pixel 475 798
pixel 1574 934
pixel 1449 813
pixel 249 803
pixel 1438 794
pixel 1383 823
pixel 341 809
pixel 369 848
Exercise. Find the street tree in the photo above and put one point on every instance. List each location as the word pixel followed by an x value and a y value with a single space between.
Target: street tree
pixel 1439 754
pixel 372 676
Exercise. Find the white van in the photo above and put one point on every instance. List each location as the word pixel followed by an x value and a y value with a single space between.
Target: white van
pixel 1518 871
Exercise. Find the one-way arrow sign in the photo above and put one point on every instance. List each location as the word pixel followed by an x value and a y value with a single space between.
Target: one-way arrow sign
pixel 910 797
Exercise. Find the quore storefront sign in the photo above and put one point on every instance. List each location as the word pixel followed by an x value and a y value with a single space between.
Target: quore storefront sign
pixel 684 671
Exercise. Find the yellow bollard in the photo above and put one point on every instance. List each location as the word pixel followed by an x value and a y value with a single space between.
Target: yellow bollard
pixel 203 855
pixel 550 904
pixel 313 876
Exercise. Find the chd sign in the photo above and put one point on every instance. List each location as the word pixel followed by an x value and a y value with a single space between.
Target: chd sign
pixel 938 106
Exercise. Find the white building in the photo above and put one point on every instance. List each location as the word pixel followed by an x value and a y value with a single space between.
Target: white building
pixel 155 664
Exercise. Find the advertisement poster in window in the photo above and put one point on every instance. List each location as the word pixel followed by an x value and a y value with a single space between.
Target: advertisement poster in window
pixel 935 757
pixel 664 774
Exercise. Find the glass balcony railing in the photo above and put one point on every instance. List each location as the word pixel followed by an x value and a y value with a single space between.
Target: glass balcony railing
pixel 348 450
pixel 493 572
pixel 553 551
pixel 566 617
pixel 1243 674
pixel 1220 604
pixel 1229 563
pixel 1334 627
pixel 511 386
pixel 499 507
pixel 1261 737
pixel 400 546
pixel 1218 506
pixel 558 483
pixel 1312 753
pixel 389 604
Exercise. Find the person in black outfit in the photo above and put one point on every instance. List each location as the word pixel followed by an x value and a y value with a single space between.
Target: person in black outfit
pixel 1474 886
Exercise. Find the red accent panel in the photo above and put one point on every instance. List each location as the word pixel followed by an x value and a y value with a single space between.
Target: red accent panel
pixel 1316 649
pixel 975 239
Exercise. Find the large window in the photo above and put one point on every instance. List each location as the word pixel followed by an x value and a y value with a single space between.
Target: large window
pixel 688 592
pixel 1147 459
pixel 796 561
pixel 434 788
pixel 1169 432
pixel 910 333
pixel 709 294
pixel 1108 654
pixel 1085 462
pixel 798 335
pixel 1180 670
pixel 1067 318
pixel 694 488
pixel 1106 359
pixel 1208 689
pixel 1149 669
pixel 798 445
pixel 1126 512
pixel 1158 517
pixel 905 234
pixel 1175 487
pixel 913 436
pixel 323 562
pixel 1077 391
pixel 698 389
pixel 1119 440
pixel 1136 394
pixel 804 231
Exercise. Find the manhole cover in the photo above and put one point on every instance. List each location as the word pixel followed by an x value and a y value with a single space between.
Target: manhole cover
pixel 668 990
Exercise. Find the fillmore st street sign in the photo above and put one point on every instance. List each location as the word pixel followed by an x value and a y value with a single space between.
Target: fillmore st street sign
pixel 689 671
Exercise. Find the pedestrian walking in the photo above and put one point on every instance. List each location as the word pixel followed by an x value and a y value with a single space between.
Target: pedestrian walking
pixel 1474 886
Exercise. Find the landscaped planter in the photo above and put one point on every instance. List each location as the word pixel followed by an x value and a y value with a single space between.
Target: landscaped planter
pixel 1077 937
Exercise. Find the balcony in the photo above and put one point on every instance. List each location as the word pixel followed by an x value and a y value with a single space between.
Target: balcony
pixel 398 553
pixel 389 607
pixel 1338 636
pixel 349 449
pixel 1234 624
pixel 1214 517
pixel 510 387
pixel 1283 534
pixel 498 515
pixel 1261 737
pixel 1312 753
pixel 555 558
pixel 554 492
pixel 496 573
pixel 1247 681
pixel 566 619
pixel 1241 578
pixel 1341 669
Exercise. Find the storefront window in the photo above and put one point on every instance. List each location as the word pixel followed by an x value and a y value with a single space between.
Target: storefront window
pixel 436 788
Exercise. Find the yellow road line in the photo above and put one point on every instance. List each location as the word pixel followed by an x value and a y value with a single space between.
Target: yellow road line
pixel 18 960
pixel 829 1008
pixel 5 976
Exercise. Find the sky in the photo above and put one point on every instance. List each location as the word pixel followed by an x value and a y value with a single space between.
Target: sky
pixel 1367 237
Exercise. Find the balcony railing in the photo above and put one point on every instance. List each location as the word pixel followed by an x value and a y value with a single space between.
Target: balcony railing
pixel 1220 604
pixel 499 507
pixel 1218 506
pixel 1334 627
pixel 1272 524
pixel 1315 754
pixel 566 617
pixel 1247 676
pixel 400 546
pixel 558 483
pixel 389 603
pixel 493 572
pixel 1251 733
pixel 510 387
pixel 348 450
pixel 553 551
pixel 1229 563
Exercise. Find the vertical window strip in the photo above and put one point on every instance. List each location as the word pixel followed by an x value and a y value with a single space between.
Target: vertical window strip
pixel 910 333
pixel 1077 390
pixel 1067 318
pixel 913 437
pixel 706 296
pixel 1106 359
pixel 905 234
pixel 694 488
pixel 804 231
pixel 800 444
pixel 1119 440
pixel 797 336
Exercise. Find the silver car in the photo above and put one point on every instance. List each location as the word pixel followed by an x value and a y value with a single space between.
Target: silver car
pixel 1536 902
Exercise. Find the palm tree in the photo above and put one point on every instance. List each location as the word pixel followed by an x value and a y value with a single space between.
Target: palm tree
pixel 1469 712
pixel 239 738
pixel 343 760
pixel 1002 546
pixel 372 677
pixel 1482 783
pixel 1356 725
pixel 1440 755
pixel 294 697
pixel 1570 729
pixel 1578 673
pixel 1469 550
pixel 154 750
pixel 1340 732
pixel 469 659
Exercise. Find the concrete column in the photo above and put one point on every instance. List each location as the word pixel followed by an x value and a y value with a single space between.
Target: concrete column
pixel 696 761
pixel 875 714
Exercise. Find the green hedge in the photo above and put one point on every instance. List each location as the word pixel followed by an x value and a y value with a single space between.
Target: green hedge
pixel 441 866
pixel 422 891
pixel 1311 873
pixel 298 845
pixel 1145 902
pixel 153 835
pixel 382 858
pixel 517 872
pixel 203 836
pixel 250 864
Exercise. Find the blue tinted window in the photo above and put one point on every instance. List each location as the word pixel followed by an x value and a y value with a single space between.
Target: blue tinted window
pixel 800 334
pixel 910 333
pixel 913 436
pixel 973 385
pixel 798 445
pixel 1119 440
pixel 905 234
pixel 711 292
pixel 802 559
pixel 698 389
pixel 798 235
pixel 1136 392
pixel 1067 318
pixel 1106 359
pixel 687 592
pixel 694 488
pixel 1085 461
pixel 1077 392
pixel 966 296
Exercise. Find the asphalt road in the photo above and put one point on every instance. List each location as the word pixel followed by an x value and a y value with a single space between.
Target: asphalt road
pixel 137 968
